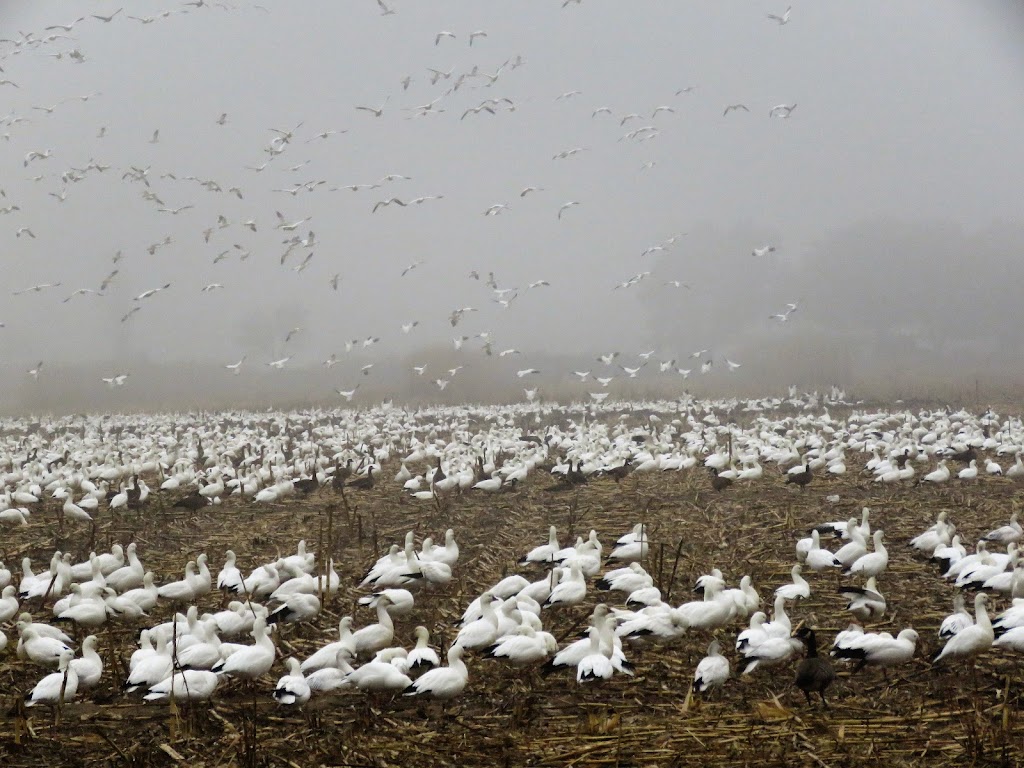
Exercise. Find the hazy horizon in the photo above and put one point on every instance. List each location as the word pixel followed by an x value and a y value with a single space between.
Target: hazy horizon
pixel 890 194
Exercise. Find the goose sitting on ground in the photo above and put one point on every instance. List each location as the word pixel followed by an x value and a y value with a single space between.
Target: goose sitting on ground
pixel 187 685
pixel 251 661
pixel 1007 534
pixel 292 688
pixel 422 655
pixel 873 563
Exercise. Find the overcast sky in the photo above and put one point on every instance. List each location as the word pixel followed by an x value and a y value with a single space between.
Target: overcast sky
pixel 909 115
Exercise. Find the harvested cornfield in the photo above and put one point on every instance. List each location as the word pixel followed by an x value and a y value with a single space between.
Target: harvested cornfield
pixel 960 714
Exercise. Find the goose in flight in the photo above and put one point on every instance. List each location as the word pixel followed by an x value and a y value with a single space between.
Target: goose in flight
pixel 35 288
pixel 527 372
pixel 385 10
pixel 107 19
pixel 443 33
pixel 733 107
pixel 783 19
pixel 677 284
pixel 528 190
pixel 116 381
pixel 284 225
pixel 64 27
pixel 782 110
pixel 389 201
pixel 478 33
pixel 335 279
pixel 732 366
pixel 348 394
pixel 495 209
pixel 36 155
pixel 152 292
pixel 601 110
pixel 25 231
pixel 236 367
pixel 34 372
pixel 410 268
pixel 407 327
pixel 175 211
pixel 565 207
pixel 279 364
pixel 291 333
pixel 377 111
pixel 764 250
pixel 567 95
pixel 79 292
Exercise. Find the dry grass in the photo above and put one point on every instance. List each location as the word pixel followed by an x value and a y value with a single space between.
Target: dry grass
pixel 962 715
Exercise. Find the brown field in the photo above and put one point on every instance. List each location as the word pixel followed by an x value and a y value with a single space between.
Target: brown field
pixel 961 715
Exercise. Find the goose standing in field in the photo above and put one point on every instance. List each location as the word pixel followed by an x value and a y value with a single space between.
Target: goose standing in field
pixel 8 603
pixel 873 563
pixel 185 590
pixel 814 674
pixel 374 637
pixel 56 687
pixel 423 655
pixel 443 683
pixel 819 559
pixel 230 577
pixel 544 553
pixel 251 661
pixel 798 589
pixel 864 602
pixel 958 620
pixel 572 590
pixel 297 607
pixel 128 576
pixel 969 472
pixel 328 654
pixel 972 640
pixel 483 631
pixel 881 650
pixel 712 670
pixel 39 648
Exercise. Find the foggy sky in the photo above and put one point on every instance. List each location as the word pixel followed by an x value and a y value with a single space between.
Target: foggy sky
pixel 892 193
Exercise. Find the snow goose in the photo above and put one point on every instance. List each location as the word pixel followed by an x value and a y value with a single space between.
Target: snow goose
pixel 745 597
pixel 8 603
pixel 447 555
pixel 948 556
pixel 423 655
pixel 91 612
pixel 1007 534
pixel 940 474
pixel 710 613
pixel 852 550
pixel 1016 472
pixel 841 528
pixel 443 683
pixel 958 620
pixel 597 663
pixel 145 597
pixel 150 669
pixel 401 601
pixel 328 654
pixel 230 577
pixel 128 576
pixel 56 687
pixel 292 688
pixel 524 646
pixel 798 589
pixel 628 579
pixel 819 559
pixel 864 602
pixel 296 608
pixel 873 563
pixel 882 650
pixel 43 650
pixel 970 472
pixel 184 590
pixel 712 670
pixel 971 640
pixel 769 652
pixel 714 578
pixel 483 631
pixel 572 590
pixel 545 553
pixel 187 685
pixel 379 675
pixel 374 637
pixel 89 668
pixel 251 661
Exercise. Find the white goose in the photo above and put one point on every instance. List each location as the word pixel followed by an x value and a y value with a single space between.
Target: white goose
pixel 443 683
pixel 252 661
pixel 712 670
pixel 972 640
pixel 57 686
pixel 187 685
pixel 292 688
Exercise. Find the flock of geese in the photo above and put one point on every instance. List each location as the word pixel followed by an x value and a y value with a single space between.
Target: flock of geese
pixel 242 218
pixel 102 460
